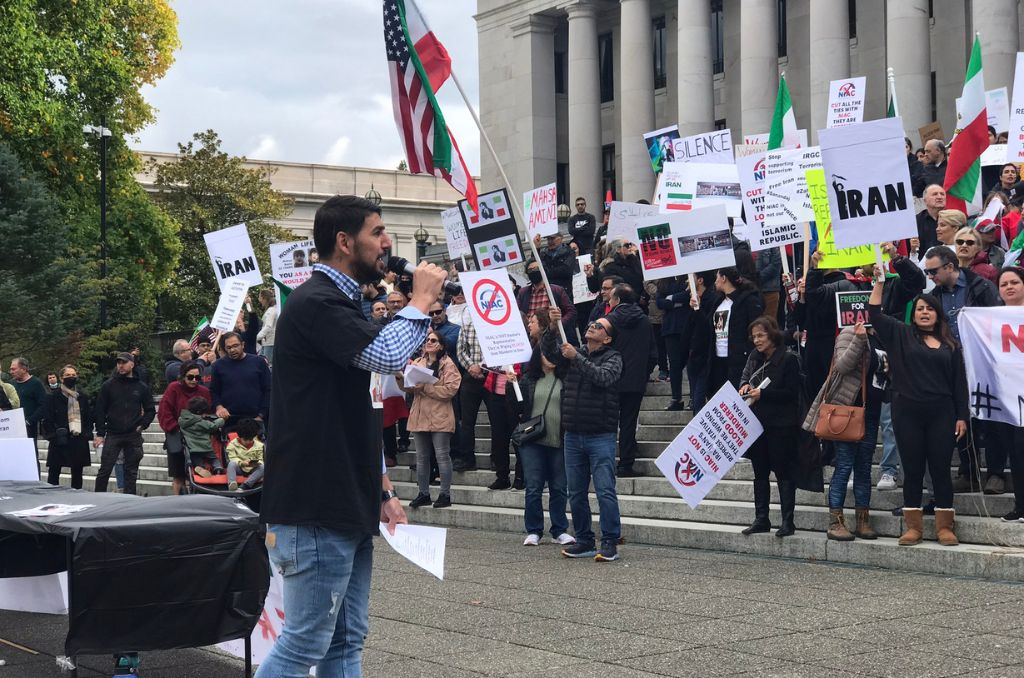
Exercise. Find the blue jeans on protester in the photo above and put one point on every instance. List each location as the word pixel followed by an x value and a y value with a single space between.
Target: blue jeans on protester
pixel 592 455
pixel 854 458
pixel 890 455
pixel 543 464
pixel 326 601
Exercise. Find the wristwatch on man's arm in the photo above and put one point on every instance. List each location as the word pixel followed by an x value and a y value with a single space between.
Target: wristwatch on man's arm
pixel 387 495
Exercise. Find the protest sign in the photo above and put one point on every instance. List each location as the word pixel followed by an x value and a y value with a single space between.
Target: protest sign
pixel 268 628
pixel 455 238
pixel 694 185
pixel 791 140
pixel 751 173
pixel 750 149
pixel 852 308
pixel 493 233
pixel 868 183
pixel 47 594
pixel 230 305
pixel 496 317
pixel 18 459
pixel 421 545
pixel 291 263
pixel 12 424
pixel 787 204
pixel 993 344
pixel 659 146
pixel 684 242
pixel 846 101
pixel 710 445
pixel 231 255
pixel 994 155
pixel 580 292
pixel 622 216
pixel 709 147
pixel 756 139
pixel 540 209
pixel 932 130
pixel 833 257
pixel 1015 152
pixel 997 105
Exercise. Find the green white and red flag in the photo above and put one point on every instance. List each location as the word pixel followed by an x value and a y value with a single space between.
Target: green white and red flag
pixel 418 65
pixel 784 120
pixel 963 174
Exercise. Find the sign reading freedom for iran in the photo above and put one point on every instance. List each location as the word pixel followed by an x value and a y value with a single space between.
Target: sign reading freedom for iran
pixel 232 256
pixel 710 444
pixel 993 341
pixel 852 308
pixel 496 317
pixel 868 183
pixel 540 209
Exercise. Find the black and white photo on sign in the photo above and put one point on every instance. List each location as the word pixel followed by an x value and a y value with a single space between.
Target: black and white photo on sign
pixel 705 243
pixel 711 183
pixel 494 207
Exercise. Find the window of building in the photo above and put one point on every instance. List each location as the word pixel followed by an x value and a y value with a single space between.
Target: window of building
pixel 935 106
pixel 717 43
pixel 560 73
pixel 607 170
pixel 604 60
pixel 852 5
pixel 660 69
pixel 562 182
pixel 720 123
pixel 782 28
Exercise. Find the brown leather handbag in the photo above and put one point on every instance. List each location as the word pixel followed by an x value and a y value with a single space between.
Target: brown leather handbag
pixel 842 423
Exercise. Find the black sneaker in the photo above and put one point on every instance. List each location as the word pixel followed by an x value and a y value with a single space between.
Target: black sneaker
pixel 519 485
pixel 675 406
pixel 757 527
pixel 421 499
pixel 443 501
pixel 1013 517
pixel 579 551
pixel 609 552
pixel 500 484
pixel 435 482
pixel 403 445
pixel 626 472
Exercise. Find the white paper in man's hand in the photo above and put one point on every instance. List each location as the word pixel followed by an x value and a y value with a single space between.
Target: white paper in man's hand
pixel 416 376
pixel 421 545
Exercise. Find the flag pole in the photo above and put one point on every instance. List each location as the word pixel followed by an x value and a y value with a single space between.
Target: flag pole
pixel 891 77
pixel 515 197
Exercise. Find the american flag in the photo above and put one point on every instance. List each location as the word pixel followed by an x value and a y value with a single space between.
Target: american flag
pixel 418 65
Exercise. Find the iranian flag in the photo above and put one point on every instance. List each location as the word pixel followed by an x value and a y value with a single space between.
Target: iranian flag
pixel 963 174
pixel 783 130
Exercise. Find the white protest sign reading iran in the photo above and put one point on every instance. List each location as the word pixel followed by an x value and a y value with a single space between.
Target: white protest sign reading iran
pixel 622 216
pixel 232 256
pixel 709 147
pixel 1015 141
pixel 540 209
pixel 993 341
pixel 710 445
pixel 846 101
pixel 496 317
pixel 692 185
pixel 455 238
pixel 868 183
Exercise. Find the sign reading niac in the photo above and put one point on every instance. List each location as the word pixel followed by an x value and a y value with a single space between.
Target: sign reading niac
pixel 491 301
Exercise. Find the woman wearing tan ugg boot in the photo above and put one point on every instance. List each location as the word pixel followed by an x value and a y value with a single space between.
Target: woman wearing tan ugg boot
pixel 929 406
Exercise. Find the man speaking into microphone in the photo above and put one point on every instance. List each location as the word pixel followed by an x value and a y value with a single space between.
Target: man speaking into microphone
pixel 326 489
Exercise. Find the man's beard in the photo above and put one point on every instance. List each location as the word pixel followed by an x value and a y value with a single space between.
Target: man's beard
pixel 365 272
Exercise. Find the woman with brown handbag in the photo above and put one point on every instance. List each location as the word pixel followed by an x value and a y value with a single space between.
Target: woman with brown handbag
pixel 846 411
pixel 929 406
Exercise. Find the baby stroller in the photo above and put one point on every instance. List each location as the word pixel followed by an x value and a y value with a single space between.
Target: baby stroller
pixel 216 484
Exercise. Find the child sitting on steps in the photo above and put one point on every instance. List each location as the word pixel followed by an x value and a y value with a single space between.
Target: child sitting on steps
pixel 245 456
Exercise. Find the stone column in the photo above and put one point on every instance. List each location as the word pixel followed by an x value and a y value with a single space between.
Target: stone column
pixel 908 46
pixel 695 84
pixel 636 98
pixel 534 153
pixel 995 21
pixel 759 65
pixel 584 107
pixel 830 56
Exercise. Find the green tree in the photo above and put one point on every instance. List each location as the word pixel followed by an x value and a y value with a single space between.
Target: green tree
pixel 204 190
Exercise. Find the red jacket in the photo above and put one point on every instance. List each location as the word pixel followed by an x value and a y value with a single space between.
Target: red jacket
pixel 175 400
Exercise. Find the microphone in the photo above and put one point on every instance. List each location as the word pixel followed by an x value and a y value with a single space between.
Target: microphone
pixel 400 265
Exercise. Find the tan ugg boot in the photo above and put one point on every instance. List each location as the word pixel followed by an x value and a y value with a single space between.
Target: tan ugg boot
pixel 863 529
pixel 914 520
pixel 944 520
pixel 837 526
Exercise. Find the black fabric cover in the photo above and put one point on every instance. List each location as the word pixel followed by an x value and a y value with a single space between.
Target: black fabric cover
pixel 146 574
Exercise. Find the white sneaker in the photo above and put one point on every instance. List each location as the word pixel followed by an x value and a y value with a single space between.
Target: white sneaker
pixel 565 538
pixel 887 482
pixel 531 540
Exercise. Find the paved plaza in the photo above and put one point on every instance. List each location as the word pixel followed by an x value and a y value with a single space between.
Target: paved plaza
pixel 509 610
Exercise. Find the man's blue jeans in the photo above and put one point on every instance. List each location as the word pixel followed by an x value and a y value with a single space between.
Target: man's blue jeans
pixel 543 464
pixel 592 455
pixel 890 455
pixel 854 458
pixel 326 601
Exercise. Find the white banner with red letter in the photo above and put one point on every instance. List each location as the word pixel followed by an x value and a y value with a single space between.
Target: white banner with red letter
pixel 993 341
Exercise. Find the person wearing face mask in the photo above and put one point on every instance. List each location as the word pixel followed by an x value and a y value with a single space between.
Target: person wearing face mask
pixel 68 423
pixel 52 381
pixel 535 296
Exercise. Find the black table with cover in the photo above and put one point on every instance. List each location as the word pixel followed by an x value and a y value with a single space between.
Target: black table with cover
pixel 156 573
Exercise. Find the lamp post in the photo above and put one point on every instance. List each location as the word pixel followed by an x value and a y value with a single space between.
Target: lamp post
pixel 103 133
pixel 422 238
pixel 373 195
pixel 563 213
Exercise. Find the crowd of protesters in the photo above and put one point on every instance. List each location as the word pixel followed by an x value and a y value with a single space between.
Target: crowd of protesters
pixel 571 412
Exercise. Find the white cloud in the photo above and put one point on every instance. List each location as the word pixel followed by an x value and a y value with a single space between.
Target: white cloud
pixel 266 149
pixel 336 153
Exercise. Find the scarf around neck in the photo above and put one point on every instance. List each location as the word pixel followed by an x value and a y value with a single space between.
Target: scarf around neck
pixel 74 411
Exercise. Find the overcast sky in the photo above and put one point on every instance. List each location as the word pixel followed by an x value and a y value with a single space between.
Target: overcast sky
pixel 302 80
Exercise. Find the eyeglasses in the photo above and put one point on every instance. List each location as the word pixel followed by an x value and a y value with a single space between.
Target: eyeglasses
pixel 966 242
pixel 431 341
pixel 597 326
pixel 436 313
pixel 191 377
pixel 232 347
pixel 934 271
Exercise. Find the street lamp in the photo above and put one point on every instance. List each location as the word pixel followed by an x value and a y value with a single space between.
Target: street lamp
pixel 373 195
pixel 103 133
pixel 563 213
pixel 422 238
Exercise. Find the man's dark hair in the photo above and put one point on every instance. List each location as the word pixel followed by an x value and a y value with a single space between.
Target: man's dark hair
pixel 187 366
pixel 624 293
pixel 616 279
pixel 248 429
pixel 943 254
pixel 198 405
pixel 613 331
pixel 230 335
pixel 578 198
pixel 341 213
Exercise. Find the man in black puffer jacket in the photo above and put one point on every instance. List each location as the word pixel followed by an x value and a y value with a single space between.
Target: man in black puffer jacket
pixel 124 409
pixel 590 417
pixel 636 344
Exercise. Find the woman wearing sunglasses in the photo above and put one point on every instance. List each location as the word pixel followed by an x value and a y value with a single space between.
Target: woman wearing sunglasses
pixel 972 256
pixel 174 401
